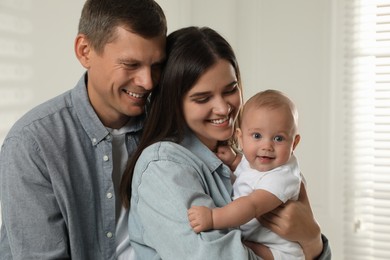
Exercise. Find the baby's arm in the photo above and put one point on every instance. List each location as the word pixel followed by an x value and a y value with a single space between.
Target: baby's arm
pixel 234 214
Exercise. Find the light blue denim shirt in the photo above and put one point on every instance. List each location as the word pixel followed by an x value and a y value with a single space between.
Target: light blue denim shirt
pixel 170 178
pixel 56 189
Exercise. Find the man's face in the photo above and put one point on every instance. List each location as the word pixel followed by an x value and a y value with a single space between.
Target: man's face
pixel 122 76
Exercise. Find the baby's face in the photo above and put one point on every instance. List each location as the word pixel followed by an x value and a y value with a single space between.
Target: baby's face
pixel 267 137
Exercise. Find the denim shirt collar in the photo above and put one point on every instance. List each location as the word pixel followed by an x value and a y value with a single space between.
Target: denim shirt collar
pixel 192 143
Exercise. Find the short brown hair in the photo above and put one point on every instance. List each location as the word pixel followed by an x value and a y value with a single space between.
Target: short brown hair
pixel 100 18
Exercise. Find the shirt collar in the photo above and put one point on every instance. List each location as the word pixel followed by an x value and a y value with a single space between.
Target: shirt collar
pixel 192 143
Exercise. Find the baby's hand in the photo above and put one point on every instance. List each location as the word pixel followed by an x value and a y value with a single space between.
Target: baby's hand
pixel 226 154
pixel 201 218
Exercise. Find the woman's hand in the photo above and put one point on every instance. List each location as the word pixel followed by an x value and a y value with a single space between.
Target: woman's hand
pixel 295 221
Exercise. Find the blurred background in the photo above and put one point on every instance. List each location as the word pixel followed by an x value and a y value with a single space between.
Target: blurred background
pixel 309 49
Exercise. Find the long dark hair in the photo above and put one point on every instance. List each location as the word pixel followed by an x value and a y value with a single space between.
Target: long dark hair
pixel 191 51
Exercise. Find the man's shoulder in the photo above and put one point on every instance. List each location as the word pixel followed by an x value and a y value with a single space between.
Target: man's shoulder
pixel 39 114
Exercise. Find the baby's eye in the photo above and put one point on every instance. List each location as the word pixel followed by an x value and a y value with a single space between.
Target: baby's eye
pixel 278 138
pixel 256 135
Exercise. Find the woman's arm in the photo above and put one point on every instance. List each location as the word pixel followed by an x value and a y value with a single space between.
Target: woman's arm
pixel 162 193
pixel 295 221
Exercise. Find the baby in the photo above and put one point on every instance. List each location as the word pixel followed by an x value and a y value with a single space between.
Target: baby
pixel 267 176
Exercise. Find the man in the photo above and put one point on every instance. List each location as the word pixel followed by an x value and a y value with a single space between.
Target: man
pixel 61 163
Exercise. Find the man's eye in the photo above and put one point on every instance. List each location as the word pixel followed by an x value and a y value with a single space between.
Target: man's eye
pixel 131 65
pixel 156 67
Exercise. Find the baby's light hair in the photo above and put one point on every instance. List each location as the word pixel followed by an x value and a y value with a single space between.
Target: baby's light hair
pixel 272 99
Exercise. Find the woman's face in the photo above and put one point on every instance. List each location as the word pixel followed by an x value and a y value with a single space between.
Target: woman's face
pixel 212 104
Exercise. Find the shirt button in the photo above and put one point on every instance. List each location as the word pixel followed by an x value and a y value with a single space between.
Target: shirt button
pixel 94 141
pixel 109 234
pixel 105 158
pixel 108 137
pixel 109 195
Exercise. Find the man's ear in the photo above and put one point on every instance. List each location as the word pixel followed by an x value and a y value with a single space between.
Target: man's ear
pixel 82 50
pixel 296 141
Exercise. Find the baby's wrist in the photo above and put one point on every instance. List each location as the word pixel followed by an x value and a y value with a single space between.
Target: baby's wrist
pixel 236 161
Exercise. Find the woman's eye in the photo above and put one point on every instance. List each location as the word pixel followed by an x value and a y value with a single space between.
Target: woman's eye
pixel 256 135
pixel 232 90
pixel 202 100
pixel 278 138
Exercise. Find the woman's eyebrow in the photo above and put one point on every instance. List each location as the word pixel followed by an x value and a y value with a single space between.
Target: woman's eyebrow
pixel 199 94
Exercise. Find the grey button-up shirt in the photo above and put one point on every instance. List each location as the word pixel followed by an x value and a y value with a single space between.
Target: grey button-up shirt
pixel 57 194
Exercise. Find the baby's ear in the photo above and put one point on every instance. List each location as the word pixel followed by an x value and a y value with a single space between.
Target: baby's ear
pixel 297 138
pixel 239 137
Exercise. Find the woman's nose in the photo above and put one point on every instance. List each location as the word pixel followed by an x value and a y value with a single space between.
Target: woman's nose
pixel 222 107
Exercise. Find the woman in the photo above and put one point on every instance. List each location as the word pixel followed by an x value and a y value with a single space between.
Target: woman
pixel 195 109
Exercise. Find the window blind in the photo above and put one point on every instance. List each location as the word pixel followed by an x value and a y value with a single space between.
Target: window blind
pixel 367 124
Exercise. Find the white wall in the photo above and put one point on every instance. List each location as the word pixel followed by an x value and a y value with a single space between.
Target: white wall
pixel 280 44
pixel 44 31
